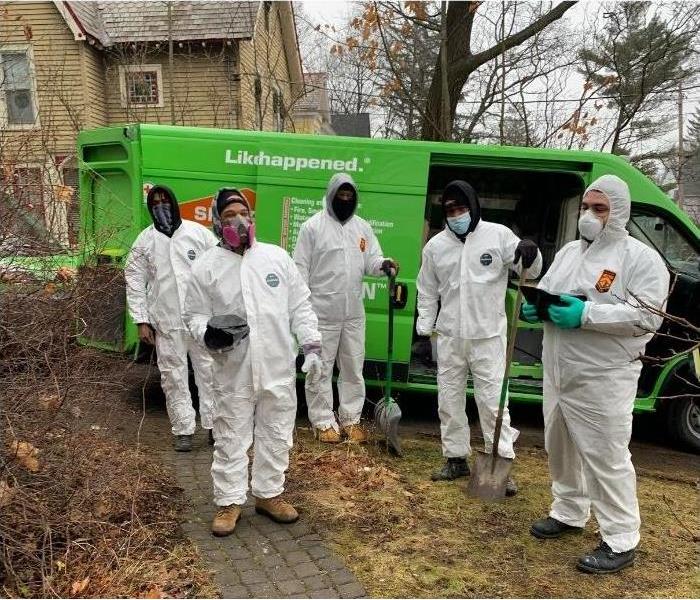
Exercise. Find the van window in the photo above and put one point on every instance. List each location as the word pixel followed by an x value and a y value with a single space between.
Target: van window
pixel 666 239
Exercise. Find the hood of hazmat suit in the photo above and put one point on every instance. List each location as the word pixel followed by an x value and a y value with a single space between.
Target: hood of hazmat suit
pixel 340 210
pixel 591 372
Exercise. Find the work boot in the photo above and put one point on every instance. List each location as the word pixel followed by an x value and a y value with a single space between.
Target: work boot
pixel 327 436
pixel 603 560
pixel 225 520
pixel 211 437
pixel 183 443
pixel 511 487
pixel 277 509
pixel 550 528
pixel 452 469
pixel 356 433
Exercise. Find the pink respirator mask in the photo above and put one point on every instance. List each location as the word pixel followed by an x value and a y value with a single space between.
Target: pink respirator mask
pixel 235 232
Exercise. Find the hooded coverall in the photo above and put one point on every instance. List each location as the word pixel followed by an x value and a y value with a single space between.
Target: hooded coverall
pixel 333 257
pixel 591 373
pixel 156 272
pixel 255 383
pixel 469 280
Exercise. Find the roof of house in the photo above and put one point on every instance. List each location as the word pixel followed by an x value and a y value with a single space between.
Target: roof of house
pixel 119 22
pixel 315 98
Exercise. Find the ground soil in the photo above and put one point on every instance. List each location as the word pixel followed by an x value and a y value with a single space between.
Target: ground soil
pixel 405 536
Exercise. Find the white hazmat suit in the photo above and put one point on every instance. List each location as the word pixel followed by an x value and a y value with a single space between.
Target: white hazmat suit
pixel 591 372
pixel 255 383
pixel 469 280
pixel 333 257
pixel 156 272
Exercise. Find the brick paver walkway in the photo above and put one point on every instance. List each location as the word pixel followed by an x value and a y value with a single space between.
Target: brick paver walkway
pixel 262 559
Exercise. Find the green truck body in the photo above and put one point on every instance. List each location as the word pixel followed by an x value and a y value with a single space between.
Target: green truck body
pixel 534 191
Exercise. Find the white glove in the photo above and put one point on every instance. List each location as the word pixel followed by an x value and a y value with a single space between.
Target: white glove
pixel 423 331
pixel 312 367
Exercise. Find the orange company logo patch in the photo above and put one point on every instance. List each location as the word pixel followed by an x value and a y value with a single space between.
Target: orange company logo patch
pixel 363 244
pixel 605 281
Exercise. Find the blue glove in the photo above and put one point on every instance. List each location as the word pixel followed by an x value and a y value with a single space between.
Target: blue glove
pixel 567 316
pixel 528 313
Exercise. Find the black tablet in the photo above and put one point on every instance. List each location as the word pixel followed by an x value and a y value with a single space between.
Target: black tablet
pixel 542 300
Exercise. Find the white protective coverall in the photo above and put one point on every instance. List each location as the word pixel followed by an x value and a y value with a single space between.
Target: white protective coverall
pixel 591 373
pixel 255 383
pixel 469 280
pixel 156 273
pixel 333 257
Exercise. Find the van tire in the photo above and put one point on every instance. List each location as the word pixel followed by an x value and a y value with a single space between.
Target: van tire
pixel 683 422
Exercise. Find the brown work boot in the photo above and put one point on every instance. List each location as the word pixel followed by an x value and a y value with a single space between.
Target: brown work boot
pixel 225 520
pixel 356 433
pixel 277 509
pixel 328 436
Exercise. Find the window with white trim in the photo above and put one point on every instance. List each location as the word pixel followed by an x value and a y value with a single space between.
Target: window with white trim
pixel 17 88
pixel 141 85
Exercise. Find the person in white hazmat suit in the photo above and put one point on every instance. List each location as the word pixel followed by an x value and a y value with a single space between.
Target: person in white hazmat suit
pixel 465 269
pixel 247 302
pixel 591 367
pixel 156 272
pixel 335 249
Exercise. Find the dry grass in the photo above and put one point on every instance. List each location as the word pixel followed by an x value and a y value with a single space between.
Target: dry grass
pixel 83 514
pixel 405 536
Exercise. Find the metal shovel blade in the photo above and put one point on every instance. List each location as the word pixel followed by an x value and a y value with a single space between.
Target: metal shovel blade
pixel 489 477
pixel 387 414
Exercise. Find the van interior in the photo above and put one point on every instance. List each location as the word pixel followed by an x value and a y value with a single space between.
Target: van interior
pixel 538 205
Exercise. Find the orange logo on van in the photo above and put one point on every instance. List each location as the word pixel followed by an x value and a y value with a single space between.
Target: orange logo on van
pixel 605 281
pixel 363 244
pixel 199 209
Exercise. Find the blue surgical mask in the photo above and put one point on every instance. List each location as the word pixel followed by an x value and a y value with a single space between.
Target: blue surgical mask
pixel 460 224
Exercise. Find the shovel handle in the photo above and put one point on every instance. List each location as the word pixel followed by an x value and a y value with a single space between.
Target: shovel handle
pixel 512 333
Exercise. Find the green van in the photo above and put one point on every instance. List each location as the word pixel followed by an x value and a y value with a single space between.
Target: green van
pixel 536 192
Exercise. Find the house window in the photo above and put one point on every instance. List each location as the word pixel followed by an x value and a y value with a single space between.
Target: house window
pixel 17 88
pixel 141 85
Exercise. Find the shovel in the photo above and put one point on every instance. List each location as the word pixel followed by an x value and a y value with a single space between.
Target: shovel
pixel 491 471
pixel 387 413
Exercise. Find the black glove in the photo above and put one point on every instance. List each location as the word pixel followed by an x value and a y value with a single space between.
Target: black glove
pixel 218 339
pixel 527 250
pixel 422 349
pixel 388 265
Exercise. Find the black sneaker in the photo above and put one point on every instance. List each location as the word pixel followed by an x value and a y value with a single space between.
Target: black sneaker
pixel 603 560
pixel 550 528
pixel 511 487
pixel 183 443
pixel 453 468
pixel 211 437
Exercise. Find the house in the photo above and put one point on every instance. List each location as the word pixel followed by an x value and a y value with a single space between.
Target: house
pixel 312 110
pixel 67 66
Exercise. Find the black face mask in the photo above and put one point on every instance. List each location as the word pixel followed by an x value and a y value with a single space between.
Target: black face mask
pixel 163 218
pixel 343 209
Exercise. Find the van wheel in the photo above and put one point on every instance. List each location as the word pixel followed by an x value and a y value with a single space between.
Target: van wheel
pixel 683 423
